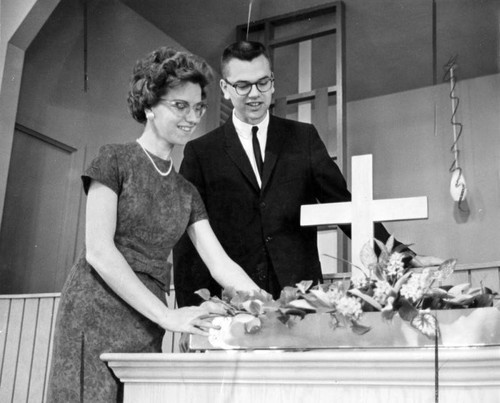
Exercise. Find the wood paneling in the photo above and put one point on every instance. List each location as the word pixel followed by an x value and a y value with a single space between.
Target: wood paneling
pixel 26 331
pixel 26 325
pixel 38 235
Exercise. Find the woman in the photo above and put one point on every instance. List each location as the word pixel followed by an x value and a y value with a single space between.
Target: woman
pixel 137 209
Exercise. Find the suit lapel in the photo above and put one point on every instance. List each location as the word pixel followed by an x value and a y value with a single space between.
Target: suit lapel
pixel 236 152
pixel 276 137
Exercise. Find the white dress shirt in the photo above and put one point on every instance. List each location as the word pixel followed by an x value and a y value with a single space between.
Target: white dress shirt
pixel 244 131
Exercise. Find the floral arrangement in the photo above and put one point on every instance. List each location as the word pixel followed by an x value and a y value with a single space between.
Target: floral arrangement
pixel 386 285
pixel 294 302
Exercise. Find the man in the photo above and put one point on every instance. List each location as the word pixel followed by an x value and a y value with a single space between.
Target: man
pixel 254 209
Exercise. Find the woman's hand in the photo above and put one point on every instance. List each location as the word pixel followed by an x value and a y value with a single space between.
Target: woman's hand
pixel 196 320
pixel 214 308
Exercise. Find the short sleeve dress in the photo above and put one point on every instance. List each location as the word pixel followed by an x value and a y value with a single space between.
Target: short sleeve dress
pixel 153 212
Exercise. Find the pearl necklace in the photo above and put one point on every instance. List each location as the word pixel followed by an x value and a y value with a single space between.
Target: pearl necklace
pixel 151 159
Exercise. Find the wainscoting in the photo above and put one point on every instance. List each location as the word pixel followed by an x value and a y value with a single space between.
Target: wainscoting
pixel 26 329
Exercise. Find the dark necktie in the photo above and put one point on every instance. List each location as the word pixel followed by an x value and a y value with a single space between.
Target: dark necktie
pixel 256 150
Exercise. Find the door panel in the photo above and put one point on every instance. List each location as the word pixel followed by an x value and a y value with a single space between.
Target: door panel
pixel 39 230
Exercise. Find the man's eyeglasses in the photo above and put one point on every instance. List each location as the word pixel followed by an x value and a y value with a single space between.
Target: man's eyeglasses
pixel 182 108
pixel 245 87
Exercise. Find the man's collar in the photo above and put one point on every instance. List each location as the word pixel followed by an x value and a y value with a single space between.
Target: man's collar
pixel 243 127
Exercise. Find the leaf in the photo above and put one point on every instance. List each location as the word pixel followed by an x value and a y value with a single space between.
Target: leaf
pixel 390 243
pixel 484 300
pixel 302 304
pixel 426 323
pixel 367 255
pixel 345 283
pixel 325 309
pixel 288 294
pixel 388 314
pixel 243 318
pixel 358 328
pixel 303 286
pixel 383 259
pixel 401 281
pixel 401 247
pixel 253 326
pixel 204 294
pixel 406 310
pixel 261 295
pixel 379 272
pixel 340 320
pixel 292 312
pixel 475 291
pixel 238 300
pixel 463 299
pixel 445 269
pixel 270 306
pixel 228 293
pixel 437 293
pixel 459 289
pixel 366 298
pixel 253 306
pixel 320 297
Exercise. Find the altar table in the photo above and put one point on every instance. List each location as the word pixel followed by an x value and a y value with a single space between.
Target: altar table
pixel 343 375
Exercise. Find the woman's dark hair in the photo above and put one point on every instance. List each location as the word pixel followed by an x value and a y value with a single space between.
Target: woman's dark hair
pixel 159 71
pixel 242 50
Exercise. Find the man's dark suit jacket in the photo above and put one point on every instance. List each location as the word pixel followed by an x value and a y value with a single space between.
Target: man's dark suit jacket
pixel 248 220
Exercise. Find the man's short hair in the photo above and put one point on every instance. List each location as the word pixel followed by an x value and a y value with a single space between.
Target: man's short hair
pixel 243 50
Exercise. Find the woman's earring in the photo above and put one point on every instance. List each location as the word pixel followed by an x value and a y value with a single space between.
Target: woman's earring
pixel 150 115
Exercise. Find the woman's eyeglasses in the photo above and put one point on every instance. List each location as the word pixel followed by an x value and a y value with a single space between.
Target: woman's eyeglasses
pixel 245 87
pixel 183 108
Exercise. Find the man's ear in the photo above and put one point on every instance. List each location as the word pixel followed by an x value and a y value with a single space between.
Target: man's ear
pixel 223 87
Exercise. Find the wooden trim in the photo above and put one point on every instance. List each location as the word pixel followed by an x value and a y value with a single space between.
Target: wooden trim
pixel 308 96
pixel 477 266
pixel 341 149
pixel 289 40
pixel 46 139
pixel 460 267
pixel 343 375
pixel 27 296
pixel 291 17
pixel 73 199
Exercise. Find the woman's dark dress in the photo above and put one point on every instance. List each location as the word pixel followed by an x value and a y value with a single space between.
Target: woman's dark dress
pixel 153 212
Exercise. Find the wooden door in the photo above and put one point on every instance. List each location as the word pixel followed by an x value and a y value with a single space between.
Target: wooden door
pixel 38 238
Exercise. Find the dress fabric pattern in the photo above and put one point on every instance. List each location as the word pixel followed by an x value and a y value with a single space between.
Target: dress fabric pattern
pixel 153 212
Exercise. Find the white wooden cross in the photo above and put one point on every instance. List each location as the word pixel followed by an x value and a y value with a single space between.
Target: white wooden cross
pixel 363 211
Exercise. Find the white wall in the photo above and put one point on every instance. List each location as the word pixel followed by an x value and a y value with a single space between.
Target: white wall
pixel 410 136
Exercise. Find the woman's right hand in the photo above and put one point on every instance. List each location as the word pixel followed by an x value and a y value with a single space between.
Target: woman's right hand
pixel 192 319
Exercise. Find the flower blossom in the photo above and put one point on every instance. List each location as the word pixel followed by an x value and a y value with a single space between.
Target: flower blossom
pixel 349 307
pixel 334 295
pixel 382 291
pixel 359 281
pixel 417 285
pixel 411 289
pixel 395 265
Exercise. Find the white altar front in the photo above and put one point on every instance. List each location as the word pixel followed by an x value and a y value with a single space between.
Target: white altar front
pixel 343 375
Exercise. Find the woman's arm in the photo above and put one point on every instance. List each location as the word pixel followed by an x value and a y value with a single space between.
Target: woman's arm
pixel 224 270
pixel 107 260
